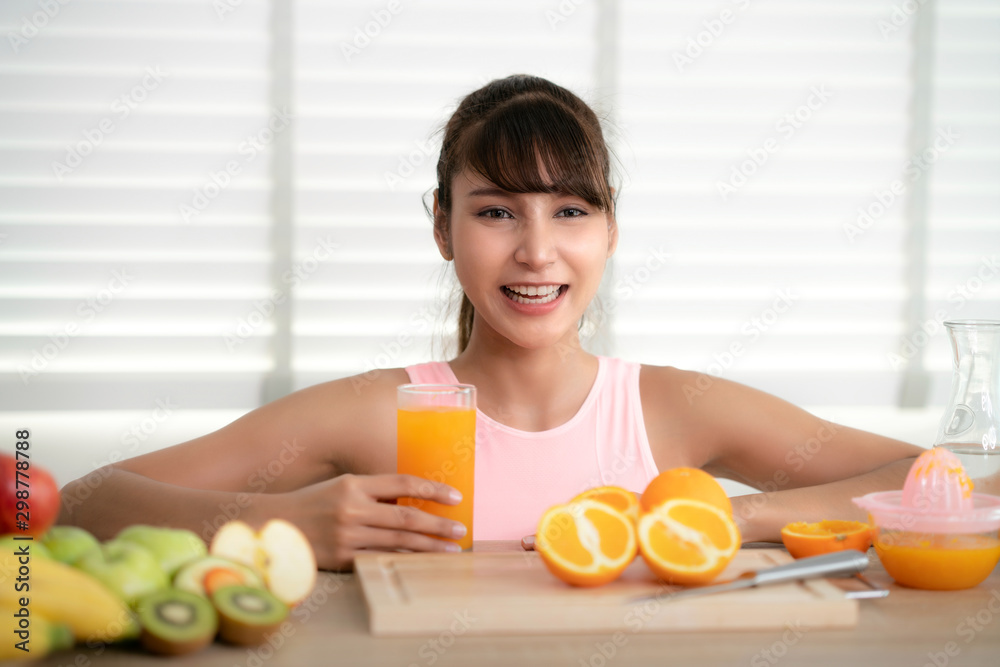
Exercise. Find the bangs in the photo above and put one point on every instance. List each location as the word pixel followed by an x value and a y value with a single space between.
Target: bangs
pixel 535 144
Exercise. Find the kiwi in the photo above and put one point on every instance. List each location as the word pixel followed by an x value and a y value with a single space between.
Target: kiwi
pixel 247 615
pixel 176 622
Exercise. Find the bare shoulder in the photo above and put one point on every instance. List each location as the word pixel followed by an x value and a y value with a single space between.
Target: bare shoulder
pixel 316 433
pixel 353 419
pixel 688 414
pixel 674 435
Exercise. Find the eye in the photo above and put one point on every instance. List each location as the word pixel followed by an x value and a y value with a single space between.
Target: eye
pixel 495 214
pixel 571 212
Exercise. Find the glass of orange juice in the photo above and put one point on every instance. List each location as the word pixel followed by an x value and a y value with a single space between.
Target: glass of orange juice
pixel 436 440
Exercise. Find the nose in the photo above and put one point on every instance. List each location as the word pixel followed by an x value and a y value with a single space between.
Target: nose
pixel 537 246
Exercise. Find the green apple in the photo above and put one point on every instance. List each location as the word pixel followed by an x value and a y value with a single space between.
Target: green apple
pixel 126 568
pixel 68 543
pixel 35 547
pixel 172 547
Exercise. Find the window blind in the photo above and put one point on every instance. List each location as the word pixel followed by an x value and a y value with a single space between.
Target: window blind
pixel 130 251
pixel 757 141
pixel 765 139
pixel 373 85
pixel 962 279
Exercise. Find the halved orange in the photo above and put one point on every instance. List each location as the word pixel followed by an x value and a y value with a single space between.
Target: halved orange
pixel 685 483
pixel 585 542
pixel 687 541
pixel 804 539
pixel 621 499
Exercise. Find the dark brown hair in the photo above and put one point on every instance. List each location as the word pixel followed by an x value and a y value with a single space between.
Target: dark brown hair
pixel 508 131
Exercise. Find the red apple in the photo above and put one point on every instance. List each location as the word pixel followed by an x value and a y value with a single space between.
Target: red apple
pixel 39 495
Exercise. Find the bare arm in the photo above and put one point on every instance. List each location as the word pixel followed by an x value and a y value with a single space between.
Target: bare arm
pixel 807 467
pixel 322 458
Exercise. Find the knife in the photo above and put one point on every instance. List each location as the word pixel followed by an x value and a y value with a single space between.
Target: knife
pixel 848 562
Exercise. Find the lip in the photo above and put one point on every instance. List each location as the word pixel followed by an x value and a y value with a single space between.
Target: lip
pixel 530 309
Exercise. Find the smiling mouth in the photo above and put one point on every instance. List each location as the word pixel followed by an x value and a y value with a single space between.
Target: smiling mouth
pixel 533 294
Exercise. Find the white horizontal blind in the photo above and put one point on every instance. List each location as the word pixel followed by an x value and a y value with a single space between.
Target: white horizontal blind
pixel 754 133
pixel 374 83
pixel 963 277
pixel 113 115
pixel 696 273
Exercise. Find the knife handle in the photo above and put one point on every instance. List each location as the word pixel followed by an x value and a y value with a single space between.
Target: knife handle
pixel 847 562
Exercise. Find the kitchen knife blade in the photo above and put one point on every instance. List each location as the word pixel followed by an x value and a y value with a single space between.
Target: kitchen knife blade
pixel 846 562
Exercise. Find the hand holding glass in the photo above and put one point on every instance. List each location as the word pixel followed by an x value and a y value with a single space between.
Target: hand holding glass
pixel 436 440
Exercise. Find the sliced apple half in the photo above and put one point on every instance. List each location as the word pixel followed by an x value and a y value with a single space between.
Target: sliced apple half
pixel 279 551
pixel 195 576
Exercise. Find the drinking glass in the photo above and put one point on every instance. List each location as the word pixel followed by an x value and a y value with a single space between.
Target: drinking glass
pixel 436 440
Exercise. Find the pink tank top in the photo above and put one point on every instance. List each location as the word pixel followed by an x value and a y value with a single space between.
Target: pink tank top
pixel 520 474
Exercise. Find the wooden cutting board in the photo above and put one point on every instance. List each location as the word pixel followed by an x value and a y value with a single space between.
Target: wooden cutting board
pixel 513 593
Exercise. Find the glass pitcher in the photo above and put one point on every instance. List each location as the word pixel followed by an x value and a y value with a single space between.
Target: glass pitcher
pixel 971 421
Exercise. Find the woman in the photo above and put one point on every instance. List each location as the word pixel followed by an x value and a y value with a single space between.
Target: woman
pixel 524 208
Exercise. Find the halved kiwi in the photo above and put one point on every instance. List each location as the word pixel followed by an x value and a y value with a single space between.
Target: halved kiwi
pixel 247 615
pixel 176 622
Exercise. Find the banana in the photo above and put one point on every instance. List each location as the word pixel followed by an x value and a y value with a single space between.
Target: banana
pixel 44 636
pixel 63 594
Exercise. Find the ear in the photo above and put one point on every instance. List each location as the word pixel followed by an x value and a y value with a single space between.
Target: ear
pixel 441 231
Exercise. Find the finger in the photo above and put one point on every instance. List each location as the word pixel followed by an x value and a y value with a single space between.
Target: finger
pixel 381 539
pixel 413 519
pixel 528 542
pixel 410 486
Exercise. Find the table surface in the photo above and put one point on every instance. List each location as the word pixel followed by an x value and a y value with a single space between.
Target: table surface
pixel 909 627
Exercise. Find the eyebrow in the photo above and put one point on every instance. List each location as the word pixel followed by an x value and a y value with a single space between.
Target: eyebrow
pixel 493 191
pixel 490 192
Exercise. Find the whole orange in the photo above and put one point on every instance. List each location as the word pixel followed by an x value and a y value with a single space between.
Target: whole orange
pixel 689 483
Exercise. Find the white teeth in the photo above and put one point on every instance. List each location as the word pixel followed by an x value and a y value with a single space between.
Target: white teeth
pixel 543 294
pixel 533 290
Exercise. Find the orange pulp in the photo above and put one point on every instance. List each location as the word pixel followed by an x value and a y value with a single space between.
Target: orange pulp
pixel 439 443
pixel 937 561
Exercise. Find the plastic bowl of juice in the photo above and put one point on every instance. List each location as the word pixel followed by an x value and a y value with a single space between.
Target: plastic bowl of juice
pixel 935 534
pixel 935 550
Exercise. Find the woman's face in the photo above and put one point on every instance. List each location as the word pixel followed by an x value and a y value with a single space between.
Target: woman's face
pixel 530 263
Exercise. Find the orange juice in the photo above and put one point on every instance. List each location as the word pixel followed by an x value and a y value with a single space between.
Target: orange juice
pixel 937 561
pixel 439 443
